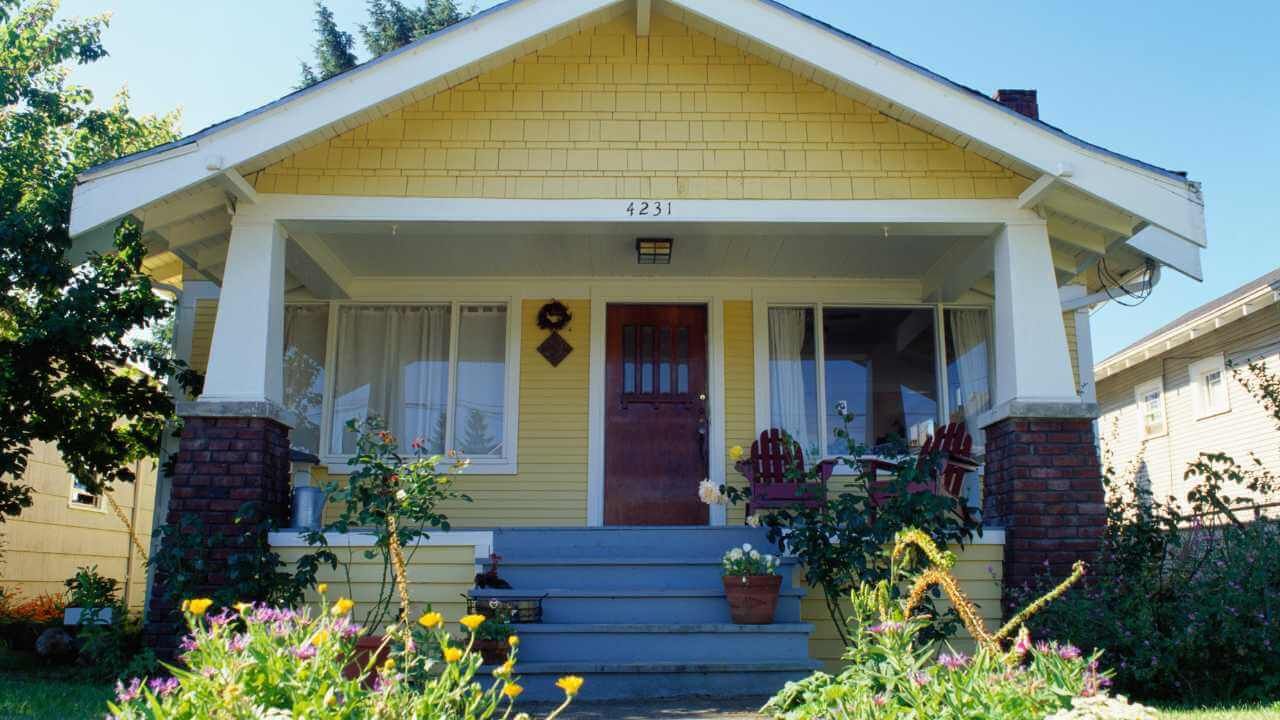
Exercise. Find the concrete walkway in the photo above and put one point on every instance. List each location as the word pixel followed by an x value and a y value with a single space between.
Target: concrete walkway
pixel 670 709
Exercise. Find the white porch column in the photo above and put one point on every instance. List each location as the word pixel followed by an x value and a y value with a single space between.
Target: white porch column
pixel 246 357
pixel 1032 360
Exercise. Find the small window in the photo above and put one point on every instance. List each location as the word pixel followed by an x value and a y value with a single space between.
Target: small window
pixel 1209 387
pixel 1149 397
pixel 82 498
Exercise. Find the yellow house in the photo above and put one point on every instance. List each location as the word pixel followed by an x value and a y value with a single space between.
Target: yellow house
pixel 593 244
pixel 68 528
pixel 1176 393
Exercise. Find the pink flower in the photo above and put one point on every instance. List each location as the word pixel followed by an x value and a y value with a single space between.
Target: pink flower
pixel 238 643
pixel 187 644
pixel 1023 642
pixel 130 693
pixel 886 626
pixel 953 662
pixel 304 652
pixel 919 678
pixel 879 699
pixel 1069 652
pixel 163 686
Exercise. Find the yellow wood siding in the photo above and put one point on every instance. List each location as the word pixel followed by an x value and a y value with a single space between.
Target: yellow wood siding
pixel 606 114
pixel 1246 428
pixel 1069 322
pixel 739 389
pixel 202 333
pixel 979 569
pixel 438 576
pixel 43 546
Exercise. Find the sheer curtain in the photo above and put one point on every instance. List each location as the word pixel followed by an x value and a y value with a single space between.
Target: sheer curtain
pixel 970 338
pixel 789 398
pixel 393 362
pixel 305 327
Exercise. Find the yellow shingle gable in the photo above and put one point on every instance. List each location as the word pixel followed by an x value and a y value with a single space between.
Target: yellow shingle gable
pixel 607 114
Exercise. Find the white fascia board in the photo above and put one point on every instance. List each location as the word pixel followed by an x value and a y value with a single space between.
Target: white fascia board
pixel 117 191
pixel 1173 204
pixel 1169 249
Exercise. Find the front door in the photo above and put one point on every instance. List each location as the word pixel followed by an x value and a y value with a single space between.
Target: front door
pixel 656 415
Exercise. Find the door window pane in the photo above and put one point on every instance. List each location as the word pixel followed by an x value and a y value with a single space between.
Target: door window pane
pixel 969 364
pixel 481 375
pixel 793 379
pixel 305 329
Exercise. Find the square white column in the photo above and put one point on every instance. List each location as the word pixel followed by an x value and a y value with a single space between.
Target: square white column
pixel 246 356
pixel 1033 363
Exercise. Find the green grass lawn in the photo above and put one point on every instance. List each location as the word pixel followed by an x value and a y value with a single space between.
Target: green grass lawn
pixel 1246 713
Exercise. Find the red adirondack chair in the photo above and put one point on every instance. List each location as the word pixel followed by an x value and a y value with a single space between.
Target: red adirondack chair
pixel 949 450
pixel 773 457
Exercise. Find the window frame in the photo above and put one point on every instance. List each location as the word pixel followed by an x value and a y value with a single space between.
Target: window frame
pixel 336 462
pixel 1197 372
pixel 1142 389
pixel 98 506
pixel 761 304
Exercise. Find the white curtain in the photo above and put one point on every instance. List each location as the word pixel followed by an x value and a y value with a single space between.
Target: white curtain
pixel 305 327
pixel 393 362
pixel 787 393
pixel 971 338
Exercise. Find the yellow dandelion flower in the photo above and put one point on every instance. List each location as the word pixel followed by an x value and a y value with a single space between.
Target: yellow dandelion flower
pixel 343 606
pixel 512 691
pixel 452 654
pixel 198 606
pixel 570 684
pixel 471 622
pixel 431 620
pixel 504 669
pixel 514 641
pixel 320 637
pixel 243 607
pixel 186 606
pixel 735 453
pixel 389 665
pixel 323 588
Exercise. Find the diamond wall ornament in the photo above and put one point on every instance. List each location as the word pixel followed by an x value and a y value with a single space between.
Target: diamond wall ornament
pixel 555 349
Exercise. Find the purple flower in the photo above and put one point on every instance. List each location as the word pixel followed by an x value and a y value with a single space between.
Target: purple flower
pixel 1069 652
pixel 163 686
pixel 1043 647
pixel 130 693
pixel 304 652
pixel 222 618
pixel 919 678
pixel 345 628
pixel 886 626
pixel 187 644
pixel 238 642
pixel 953 662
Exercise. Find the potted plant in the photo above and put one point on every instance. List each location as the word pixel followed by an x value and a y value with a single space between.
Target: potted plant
pixel 91 598
pixel 493 635
pixel 751 585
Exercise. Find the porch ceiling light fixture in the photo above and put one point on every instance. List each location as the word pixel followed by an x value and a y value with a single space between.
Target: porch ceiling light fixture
pixel 653 251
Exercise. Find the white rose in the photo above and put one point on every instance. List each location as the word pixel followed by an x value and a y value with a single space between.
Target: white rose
pixel 753 521
pixel 746 547
pixel 755 554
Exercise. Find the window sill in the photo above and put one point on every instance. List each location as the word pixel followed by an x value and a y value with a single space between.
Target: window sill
pixel 1206 414
pixel 338 465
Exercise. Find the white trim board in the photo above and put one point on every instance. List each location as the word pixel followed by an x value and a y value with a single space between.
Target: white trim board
pixel 482 540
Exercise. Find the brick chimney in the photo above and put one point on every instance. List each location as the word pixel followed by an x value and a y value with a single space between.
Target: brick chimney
pixel 1023 101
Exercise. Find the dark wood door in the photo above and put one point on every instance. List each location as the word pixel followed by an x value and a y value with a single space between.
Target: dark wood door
pixel 656 415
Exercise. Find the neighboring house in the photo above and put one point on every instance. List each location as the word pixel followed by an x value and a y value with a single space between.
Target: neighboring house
pixel 1176 392
pixel 750 216
pixel 67 528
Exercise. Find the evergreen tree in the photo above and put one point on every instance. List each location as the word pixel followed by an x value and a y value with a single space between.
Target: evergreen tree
pixel 392 24
pixel 333 49
pixel 476 439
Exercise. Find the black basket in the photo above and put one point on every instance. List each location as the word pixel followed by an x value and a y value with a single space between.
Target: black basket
pixel 523 609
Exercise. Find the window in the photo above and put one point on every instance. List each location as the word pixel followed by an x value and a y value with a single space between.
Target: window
pixel 1209 394
pixel 970 366
pixel 437 373
pixel 82 498
pixel 879 364
pixel 1149 397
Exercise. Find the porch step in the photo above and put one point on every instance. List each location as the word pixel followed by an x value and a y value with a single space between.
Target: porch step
pixel 648 605
pixel 632 680
pixel 619 572
pixel 605 542
pixel 662 642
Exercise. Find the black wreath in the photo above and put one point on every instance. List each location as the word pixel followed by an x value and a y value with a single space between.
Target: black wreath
pixel 554 309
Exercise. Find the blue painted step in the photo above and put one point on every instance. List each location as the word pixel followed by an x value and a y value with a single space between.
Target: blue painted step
pixel 523 543
pixel 648 642
pixel 612 573
pixel 621 681
pixel 647 605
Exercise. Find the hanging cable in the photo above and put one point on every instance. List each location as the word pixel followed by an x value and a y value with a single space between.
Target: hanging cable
pixel 1116 289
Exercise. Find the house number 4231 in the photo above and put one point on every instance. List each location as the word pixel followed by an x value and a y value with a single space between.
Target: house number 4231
pixel 648 208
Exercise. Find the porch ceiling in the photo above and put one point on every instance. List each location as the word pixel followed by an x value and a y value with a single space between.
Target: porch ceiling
pixel 380 249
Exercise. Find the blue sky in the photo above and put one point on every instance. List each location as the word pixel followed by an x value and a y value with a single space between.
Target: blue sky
pixel 1186 85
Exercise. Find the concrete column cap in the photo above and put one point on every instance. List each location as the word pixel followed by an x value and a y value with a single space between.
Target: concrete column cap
pixel 1071 409
pixel 264 409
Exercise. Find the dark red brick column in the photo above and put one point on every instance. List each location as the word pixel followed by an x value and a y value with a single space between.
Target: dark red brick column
pixel 222 464
pixel 1044 487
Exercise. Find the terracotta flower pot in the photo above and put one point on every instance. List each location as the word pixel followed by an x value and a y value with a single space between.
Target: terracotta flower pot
pixel 494 652
pixel 367 646
pixel 753 599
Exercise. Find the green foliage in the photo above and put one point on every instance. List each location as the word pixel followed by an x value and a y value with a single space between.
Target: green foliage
pixel 333 49
pixel 840 541
pixel 90 590
pixel 387 489
pixel 1185 596
pixel 893 673
pixel 392 24
pixel 747 560
pixel 265 663
pixel 115 650
pixel 65 368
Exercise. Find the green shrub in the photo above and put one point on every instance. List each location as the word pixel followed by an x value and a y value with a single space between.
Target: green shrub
pixel 264 662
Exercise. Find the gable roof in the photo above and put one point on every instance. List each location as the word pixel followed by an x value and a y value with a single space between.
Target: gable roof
pixel 1132 194
pixel 1228 307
